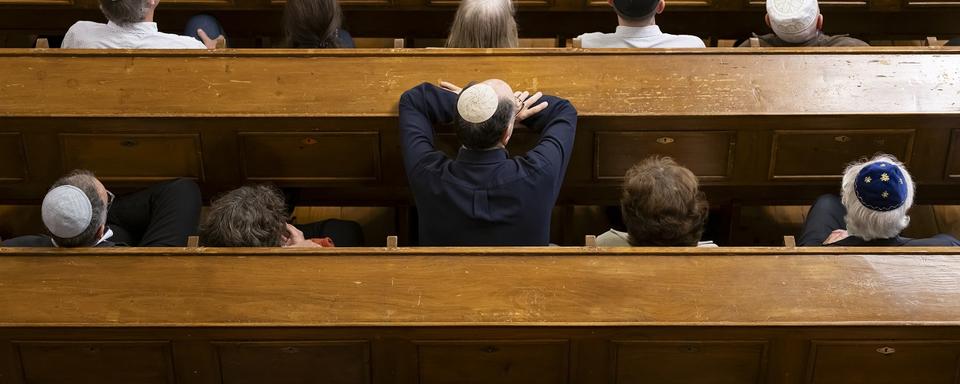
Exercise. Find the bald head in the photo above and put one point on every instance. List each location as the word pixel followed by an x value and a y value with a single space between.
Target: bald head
pixel 485 114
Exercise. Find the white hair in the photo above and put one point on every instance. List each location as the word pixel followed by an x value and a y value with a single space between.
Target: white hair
pixel 869 224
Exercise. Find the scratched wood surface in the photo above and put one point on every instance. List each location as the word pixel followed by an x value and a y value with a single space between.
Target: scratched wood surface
pixel 510 286
pixel 369 82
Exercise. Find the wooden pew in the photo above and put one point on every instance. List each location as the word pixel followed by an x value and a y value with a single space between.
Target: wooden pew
pixel 759 125
pixel 480 315
pixel 247 20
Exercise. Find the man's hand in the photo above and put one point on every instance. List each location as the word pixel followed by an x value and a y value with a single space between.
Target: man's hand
pixel 835 236
pixel 450 87
pixel 211 43
pixel 294 237
pixel 527 107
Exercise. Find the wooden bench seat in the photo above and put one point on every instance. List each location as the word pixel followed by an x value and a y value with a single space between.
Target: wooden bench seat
pixel 480 315
pixel 764 125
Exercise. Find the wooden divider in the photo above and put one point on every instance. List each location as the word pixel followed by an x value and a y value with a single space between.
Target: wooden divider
pixel 764 125
pixel 480 315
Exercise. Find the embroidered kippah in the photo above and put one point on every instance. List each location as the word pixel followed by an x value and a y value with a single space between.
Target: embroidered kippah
pixel 881 186
pixel 477 103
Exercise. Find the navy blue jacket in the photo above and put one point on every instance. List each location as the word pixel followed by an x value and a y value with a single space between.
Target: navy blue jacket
pixel 483 197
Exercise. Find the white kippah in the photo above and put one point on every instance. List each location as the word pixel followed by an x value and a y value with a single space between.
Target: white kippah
pixel 477 103
pixel 794 21
pixel 66 211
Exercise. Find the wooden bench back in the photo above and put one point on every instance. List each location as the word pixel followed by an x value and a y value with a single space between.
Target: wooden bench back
pixel 513 315
pixel 747 122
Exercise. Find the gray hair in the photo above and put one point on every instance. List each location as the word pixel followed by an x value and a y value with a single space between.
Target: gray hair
pixel 86 182
pixel 484 24
pixel 249 216
pixel 124 12
pixel 869 224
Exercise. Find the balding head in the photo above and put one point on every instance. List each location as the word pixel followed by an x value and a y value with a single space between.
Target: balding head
pixel 485 113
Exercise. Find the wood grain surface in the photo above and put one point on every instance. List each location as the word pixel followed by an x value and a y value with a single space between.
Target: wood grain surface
pixel 511 286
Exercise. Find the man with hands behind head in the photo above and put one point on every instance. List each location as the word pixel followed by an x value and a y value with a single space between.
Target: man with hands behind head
pixel 484 196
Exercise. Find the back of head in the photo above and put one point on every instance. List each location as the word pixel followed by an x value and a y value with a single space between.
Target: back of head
pixel 249 216
pixel 794 21
pixel 484 24
pixel 635 10
pixel 877 194
pixel 312 23
pixel 662 204
pixel 73 210
pixel 124 12
pixel 482 116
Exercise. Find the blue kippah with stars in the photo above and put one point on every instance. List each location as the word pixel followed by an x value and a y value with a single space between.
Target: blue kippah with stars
pixel 880 186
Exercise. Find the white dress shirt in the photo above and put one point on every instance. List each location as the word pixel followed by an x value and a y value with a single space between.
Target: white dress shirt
pixel 615 238
pixel 143 35
pixel 639 37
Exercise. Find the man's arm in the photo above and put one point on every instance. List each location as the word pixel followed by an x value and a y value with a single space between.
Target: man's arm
pixel 557 125
pixel 420 108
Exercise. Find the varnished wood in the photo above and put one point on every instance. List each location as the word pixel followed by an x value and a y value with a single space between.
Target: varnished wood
pixel 480 315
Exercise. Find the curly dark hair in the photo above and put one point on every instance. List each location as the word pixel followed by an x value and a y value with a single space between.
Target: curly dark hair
pixel 249 216
pixel 662 204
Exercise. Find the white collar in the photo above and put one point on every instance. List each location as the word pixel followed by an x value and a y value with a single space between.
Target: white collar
pixel 143 26
pixel 648 31
pixel 105 236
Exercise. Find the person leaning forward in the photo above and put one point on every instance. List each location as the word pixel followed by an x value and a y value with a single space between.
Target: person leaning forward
pixel 484 196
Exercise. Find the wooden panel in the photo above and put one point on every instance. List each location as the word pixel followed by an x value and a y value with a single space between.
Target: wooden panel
pixel 13 164
pixel 133 157
pixel 884 362
pixel 294 362
pixel 930 3
pixel 679 362
pixel 794 152
pixel 274 83
pixel 709 155
pixel 480 286
pixel 953 157
pixel 36 2
pixel 96 362
pixel 481 362
pixel 311 156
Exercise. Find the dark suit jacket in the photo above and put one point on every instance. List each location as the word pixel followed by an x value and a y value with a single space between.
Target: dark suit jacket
pixel 941 240
pixel 40 241
pixel 483 197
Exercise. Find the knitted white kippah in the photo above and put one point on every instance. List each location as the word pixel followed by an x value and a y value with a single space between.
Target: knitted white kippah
pixel 477 103
pixel 66 211
pixel 793 21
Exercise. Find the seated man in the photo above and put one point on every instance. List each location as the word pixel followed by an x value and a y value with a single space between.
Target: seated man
pixel 484 196
pixel 638 29
pixel 130 25
pixel 798 23
pixel 872 210
pixel 257 216
pixel 79 211
pixel 661 206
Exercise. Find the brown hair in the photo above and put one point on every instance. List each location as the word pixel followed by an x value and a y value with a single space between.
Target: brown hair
pixel 662 204
pixel 249 216
pixel 484 24
pixel 312 24
pixel 124 12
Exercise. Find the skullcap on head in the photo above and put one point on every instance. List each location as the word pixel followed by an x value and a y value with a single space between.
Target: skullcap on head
pixel 793 21
pixel 880 186
pixel 477 103
pixel 66 211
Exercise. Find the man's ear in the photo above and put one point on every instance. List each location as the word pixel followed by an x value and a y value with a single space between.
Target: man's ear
pixel 766 19
pixel 507 133
pixel 660 6
pixel 101 231
pixel 610 2
pixel 820 22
